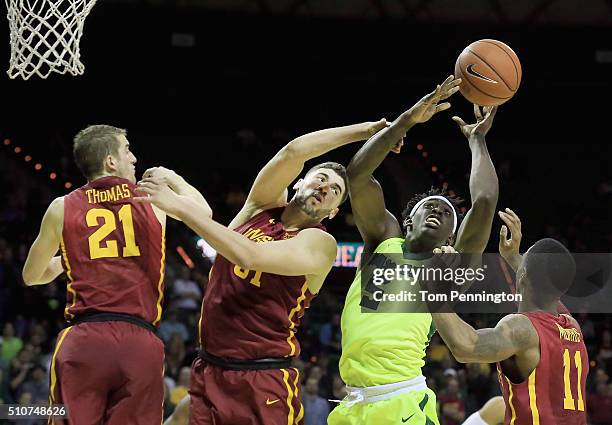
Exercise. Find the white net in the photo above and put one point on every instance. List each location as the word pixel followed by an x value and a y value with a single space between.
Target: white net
pixel 45 36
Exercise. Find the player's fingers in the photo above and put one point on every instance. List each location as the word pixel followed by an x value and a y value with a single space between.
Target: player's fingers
pixel 503 234
pixel 147 187
pixel 448 93
pixel 515 228
pixel 513 215
pixel 448 80
pixel 477 112
pixel 437 251
pixel 146 199
pixel 459 121
pixel 443 106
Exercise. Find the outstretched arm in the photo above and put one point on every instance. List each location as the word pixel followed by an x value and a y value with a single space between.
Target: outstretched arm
pixel 512 335
pixel 178 184
pixel 475 229
pixel 41 265
pixel 270 187
pixel 375 223
pixel 311 252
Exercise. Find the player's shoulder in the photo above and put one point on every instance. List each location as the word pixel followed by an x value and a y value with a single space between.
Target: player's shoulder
pixel 318 238
pixel 56 206
pixel 520 329
pixel 571 319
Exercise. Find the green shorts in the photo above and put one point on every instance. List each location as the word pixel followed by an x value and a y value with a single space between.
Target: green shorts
pixel 413 408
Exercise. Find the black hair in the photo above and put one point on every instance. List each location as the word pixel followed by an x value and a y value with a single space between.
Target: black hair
pixel 550 269
pixel 433 191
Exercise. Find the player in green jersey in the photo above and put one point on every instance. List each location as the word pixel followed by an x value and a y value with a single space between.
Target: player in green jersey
pixel 382 353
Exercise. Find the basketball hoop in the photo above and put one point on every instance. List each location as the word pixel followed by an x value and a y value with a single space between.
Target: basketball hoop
pixel 45 36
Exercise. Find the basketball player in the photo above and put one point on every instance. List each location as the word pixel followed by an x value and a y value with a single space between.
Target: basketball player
pixel 492 413
pixel 269 268
pixel 382 353
pixel 108 365
pixel 541 357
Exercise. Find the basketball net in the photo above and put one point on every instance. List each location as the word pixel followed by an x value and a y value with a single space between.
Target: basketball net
pixel 45 36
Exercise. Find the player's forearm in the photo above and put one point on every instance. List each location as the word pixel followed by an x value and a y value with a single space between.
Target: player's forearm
pixel 317 143
pixel 33 277
pixel 514 261
pixel 180 186
pixel 459 336
pixel 375 150
pixel 232 245
pixel 484 186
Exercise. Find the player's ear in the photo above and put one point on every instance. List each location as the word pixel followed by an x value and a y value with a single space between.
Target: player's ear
pixel 408 223
pixel 298 184
pixel 333 213
pixel 110 163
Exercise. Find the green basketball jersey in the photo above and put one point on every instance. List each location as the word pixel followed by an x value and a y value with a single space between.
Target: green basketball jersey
pixel 381 347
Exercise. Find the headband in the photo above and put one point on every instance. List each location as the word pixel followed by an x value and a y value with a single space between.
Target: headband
pixel 442 198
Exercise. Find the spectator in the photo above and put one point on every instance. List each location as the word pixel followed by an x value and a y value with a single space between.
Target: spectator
pixel 182 386
pixel 452 407
pixel 11 345
pixel 37 385
pixel 437 351
pixel 478 383
pixel 20 367
pixel 330 335
pixel 172 326
pixel 604 356
pixel 5 398
pixel 186 293
pixel 599 405
pixel 316 408
pixel 175 356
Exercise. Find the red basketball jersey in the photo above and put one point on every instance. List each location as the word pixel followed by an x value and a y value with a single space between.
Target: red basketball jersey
pixel 247 314
pixel 554 393
pixel 113 251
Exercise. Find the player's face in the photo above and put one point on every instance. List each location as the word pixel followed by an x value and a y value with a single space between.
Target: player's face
pixel 433 220
pixel 320 193
pixel 125 160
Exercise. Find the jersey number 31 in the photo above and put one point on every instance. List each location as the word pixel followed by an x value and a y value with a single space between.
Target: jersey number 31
pixel 109 224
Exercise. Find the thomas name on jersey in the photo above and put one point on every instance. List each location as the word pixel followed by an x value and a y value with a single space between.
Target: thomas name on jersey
pixel 114 193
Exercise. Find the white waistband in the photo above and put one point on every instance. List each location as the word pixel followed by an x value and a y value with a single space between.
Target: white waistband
pixel 382 392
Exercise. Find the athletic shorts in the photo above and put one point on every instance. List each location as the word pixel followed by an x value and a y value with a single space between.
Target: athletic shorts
pixel 413 408
pixel 244 397
pixel 108 373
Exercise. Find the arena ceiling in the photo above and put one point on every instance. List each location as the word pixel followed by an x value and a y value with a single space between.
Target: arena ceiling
pixel 513 12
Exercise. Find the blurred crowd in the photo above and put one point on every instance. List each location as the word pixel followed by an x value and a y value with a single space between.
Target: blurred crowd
pixel 30 318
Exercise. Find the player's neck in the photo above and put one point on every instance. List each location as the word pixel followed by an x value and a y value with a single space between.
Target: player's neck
pixel 293 218
pixel 527 305
pixel 416 245
pixel 102 174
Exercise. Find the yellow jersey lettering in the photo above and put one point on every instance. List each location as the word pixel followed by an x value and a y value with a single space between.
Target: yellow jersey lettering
pixel 571 334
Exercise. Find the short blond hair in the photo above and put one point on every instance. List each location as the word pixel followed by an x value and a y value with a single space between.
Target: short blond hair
pixel 92 145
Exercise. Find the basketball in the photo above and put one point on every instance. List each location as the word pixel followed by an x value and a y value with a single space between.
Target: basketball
pixel 490 72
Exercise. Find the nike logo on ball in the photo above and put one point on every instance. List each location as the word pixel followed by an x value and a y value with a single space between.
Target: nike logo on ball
pixel 470 70
pixel 268 402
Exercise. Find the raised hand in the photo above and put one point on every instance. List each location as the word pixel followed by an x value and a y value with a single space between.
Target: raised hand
pixel 160 195
pixel 483 122
pixel 509 247
pixel 429 105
